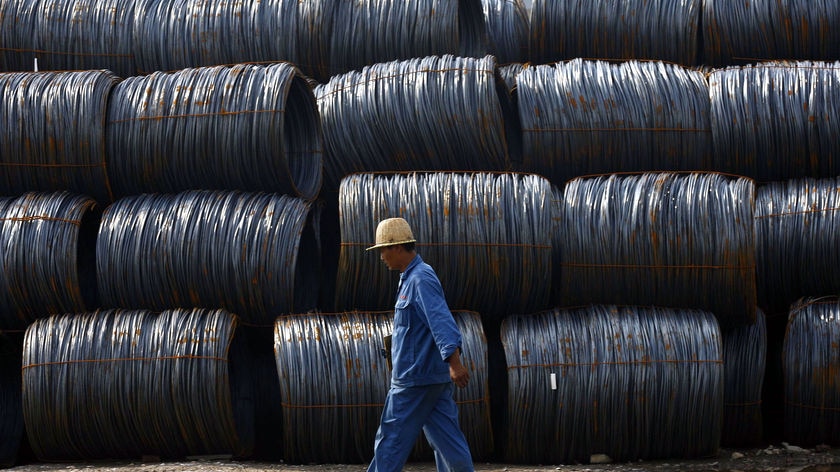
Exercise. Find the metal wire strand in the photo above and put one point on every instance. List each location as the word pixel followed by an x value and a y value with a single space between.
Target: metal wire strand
pixel 253 254
pixel 760 30
pixel 52 132
pixel 629 382
pixel 777 121
pixel 246 127
pixel 119 384
pixel 488 237
pixel 333 383
pixel 178 34
pixel 507 29
pixel 433 113
pixel 665 239
pixel 69 35
pixel 367 32
pixel 46 256
pixel 744 363
pixel 797 226
pixel 11 414
pixel 591 117
pixel 665 30
pixel 810 356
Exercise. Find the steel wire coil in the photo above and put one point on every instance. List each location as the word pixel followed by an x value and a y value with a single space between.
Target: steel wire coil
pixel 367 32
pixel 68 35
pixel 333 383
pixel 507 29
pixel 629 382
pixel 119 384
pixel 811 354
pixel 487 235
pixel 664 239
pixel 666 30
pixel 253 254
pixel 432 113
pixel 777 121
pixel 509 73
pixel 246 127
pixel 591 117
pixel 179 34
pixel 797 229
pixel 52 132
pixel 744 363
pixel 11 414
pixel 46 256
pixel 760 30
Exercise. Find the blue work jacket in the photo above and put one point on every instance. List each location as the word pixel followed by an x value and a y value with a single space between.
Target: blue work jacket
pixel 425 333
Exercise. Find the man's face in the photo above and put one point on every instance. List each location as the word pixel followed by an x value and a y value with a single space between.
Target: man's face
pixel 389 254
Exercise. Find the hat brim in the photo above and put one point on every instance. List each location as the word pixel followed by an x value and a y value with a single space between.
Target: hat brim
pixel 397 243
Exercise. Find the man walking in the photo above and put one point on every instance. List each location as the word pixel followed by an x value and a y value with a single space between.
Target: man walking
pixel 426 361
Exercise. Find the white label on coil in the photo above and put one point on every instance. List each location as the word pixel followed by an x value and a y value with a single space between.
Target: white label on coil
pixel 553 381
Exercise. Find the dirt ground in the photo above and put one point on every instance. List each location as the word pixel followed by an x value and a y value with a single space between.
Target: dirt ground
pixel 773 458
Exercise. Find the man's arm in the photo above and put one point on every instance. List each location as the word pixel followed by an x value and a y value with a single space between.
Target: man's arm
pixel 457 372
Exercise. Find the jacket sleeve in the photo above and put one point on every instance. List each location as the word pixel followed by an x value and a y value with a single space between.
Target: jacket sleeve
pixel 431 302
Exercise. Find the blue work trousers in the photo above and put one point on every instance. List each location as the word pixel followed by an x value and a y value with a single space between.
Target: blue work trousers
pixel 408 410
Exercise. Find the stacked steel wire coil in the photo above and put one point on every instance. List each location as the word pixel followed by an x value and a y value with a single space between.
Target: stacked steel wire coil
pixel 333 382
pixel 246 127
pixel 69 35
pixel 665 239
pixel 591 117
pixel 46 256
pixel 744 362
pixel 253 254
pixel 797 226
pixel 487 235
pixel 11 415
pixel 509 73
pixel 507 29
pixel 433 113
pixel 777 121
pixel 177 34
pixel 811 354
pixel 367 32
pixel 632 383
pixel 664 30
pixel 119 384
pixel 52 132
pixel 758 30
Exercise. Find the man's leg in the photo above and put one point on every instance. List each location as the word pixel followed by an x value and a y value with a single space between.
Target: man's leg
pixel 443 431
pixel 405 411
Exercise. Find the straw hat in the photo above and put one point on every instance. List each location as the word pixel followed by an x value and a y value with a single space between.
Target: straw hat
pixel 391 232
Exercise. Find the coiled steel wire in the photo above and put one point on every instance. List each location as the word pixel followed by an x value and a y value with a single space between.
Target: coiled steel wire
pixel 760 30
pixel 333 382
pixel 507 29
pixel 744 363
pixel 246 127
pixel 811 354
pixel 52 132
pixel 119 384
pixel 629 382
pixel 432 113
pixel 509 73
pixel 366 32
pixel 488 237
pixel 178 34
pixel 69 35
pixel 797 231
pixel 591 117
pixel 664 239
pixel 253 254
pixel 11 414
pixel 777 121
pixel 665 30
pixel 46 256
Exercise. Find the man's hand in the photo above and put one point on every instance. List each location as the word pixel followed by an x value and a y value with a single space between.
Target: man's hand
pixel 457 372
